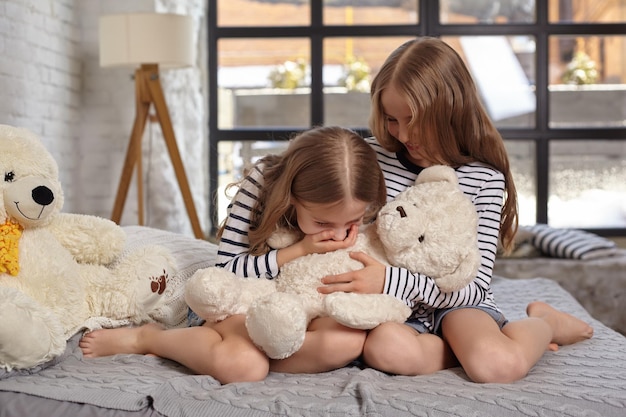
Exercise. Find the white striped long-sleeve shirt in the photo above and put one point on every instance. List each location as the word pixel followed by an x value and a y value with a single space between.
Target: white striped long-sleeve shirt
pixel 233 251
pixel 485 188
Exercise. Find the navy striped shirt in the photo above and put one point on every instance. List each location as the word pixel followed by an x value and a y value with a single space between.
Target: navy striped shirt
pixel 485 188
pixel 233 251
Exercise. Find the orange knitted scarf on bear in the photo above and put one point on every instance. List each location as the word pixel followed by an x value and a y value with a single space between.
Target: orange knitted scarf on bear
pixel 10 234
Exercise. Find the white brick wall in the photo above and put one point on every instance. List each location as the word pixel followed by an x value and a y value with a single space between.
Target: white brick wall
pixel 40 77
pixel 51 83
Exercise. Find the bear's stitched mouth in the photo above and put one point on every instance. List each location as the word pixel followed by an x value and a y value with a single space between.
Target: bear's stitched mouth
pixel 17 205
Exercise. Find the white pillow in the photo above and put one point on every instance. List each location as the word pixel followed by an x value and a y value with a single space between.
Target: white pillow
pixel 570 243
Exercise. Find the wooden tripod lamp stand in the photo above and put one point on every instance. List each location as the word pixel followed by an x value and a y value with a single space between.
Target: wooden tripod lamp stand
pixel 147 41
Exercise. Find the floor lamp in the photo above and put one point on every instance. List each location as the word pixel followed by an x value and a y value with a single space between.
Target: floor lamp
pixel 149 41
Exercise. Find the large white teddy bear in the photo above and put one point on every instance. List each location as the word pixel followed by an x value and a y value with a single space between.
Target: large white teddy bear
pixel 429 228
pixel 54 267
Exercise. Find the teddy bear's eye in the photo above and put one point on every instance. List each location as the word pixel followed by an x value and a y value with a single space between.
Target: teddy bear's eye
pixel 9 176
pixel 421 238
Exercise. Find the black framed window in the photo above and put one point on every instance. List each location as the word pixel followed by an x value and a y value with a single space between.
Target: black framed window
pixel 551 74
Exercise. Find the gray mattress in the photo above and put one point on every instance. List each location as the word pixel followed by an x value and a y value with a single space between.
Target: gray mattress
pixel 586 379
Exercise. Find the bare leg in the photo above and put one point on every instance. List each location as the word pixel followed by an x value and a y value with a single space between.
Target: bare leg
pixel 489 354
pixel 223 350
pixel 566 329
pixel 327 345
pixel 401 350
pixel 106 342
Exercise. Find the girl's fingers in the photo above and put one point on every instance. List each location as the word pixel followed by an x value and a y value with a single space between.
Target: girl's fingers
pixel 362 257
pixel 329 289
pixel 344 278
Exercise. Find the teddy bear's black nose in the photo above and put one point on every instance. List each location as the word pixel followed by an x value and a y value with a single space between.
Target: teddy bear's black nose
pixel 43 195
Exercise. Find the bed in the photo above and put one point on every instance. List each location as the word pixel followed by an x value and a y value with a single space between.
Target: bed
pixel 586 379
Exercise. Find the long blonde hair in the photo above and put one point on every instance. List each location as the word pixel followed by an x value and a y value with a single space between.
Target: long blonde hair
pixel 322 165
pixel 447 115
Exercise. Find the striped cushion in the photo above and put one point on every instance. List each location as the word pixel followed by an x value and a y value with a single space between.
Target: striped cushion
pixel 570 243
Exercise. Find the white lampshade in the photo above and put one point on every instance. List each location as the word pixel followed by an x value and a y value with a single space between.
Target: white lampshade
pixel 146 38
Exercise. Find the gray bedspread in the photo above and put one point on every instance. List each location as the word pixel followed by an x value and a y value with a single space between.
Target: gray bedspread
pixel 586 379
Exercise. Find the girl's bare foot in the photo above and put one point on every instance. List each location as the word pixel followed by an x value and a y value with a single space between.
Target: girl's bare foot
pixel 566 328
pixel 106 342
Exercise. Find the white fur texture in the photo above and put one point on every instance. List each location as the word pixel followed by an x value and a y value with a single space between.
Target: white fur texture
pixel 70 264
pixel 438 237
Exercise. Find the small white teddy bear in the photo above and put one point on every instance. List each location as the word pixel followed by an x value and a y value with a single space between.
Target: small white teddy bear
pixel 429 228
pixel 59 270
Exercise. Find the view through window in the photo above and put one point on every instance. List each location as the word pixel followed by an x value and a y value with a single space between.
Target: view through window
pixel 552 76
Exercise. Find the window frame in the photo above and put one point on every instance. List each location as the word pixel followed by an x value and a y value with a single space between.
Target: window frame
pixel 428 25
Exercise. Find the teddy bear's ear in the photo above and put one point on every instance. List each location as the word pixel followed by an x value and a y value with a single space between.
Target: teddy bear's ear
pixel 26 150
pixel 437 173
pixel 282 237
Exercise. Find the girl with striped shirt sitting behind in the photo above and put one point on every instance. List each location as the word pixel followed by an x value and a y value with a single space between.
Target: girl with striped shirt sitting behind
pixel 426 111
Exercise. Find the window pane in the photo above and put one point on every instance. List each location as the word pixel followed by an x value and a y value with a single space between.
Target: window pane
pixel 587 187
pixel 381 12
pixel 234 157
pixel 587 11
pixel 522 159
pixel 263 13
pixel 349 65
pixel 258 76
pixel 587 81
pixel 503 68
pixel 486 11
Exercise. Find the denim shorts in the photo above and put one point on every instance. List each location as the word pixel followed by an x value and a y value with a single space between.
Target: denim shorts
pixel 193 319
pixel 439 314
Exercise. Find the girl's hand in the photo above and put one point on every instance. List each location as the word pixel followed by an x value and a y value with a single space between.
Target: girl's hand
pixel 327 242
pixel 369 280
pixel 318 243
